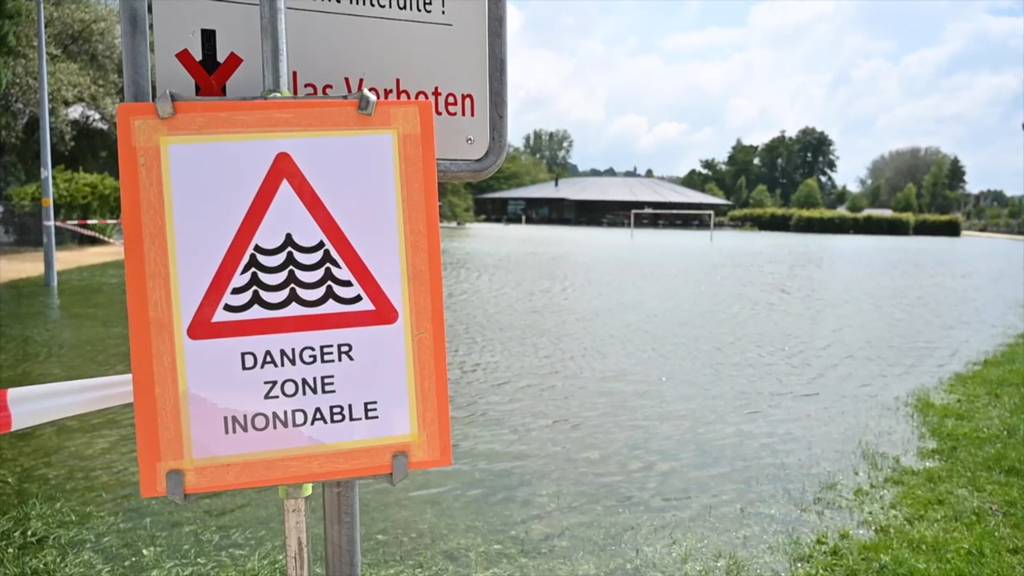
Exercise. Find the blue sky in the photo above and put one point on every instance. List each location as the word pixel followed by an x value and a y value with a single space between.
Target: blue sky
pixel 661 84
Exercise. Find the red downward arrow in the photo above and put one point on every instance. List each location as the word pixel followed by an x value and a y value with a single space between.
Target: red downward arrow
pixel 209 84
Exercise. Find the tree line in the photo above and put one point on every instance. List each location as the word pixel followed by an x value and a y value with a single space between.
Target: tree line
pixel 795 171
pixel 787 170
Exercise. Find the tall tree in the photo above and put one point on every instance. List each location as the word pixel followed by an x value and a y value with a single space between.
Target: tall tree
pixel 84 63
pixel 906 200
pixel 694 179
pixel 957 175
pixel 739 193
pixel 935 193
pixel 741 163
pixel 519 169
pixel 892 171
pixel 553 147
pixel 777 166
pixel 837 197
pixel 989 197
pixel 814 156
pixel 714 190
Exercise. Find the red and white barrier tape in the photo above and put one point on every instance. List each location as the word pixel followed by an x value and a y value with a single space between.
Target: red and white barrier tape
pixel 31 405
pixel 87 232
pixel 83 222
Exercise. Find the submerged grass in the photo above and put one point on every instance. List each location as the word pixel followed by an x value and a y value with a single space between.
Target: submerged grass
pixel 962 510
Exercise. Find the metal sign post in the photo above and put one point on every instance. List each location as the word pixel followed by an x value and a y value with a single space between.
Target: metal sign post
pixel 343 556
pixel 274 48
pixel 135 51
pixel 45 175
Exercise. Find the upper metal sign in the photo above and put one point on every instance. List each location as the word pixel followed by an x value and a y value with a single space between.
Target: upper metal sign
pixel 448 52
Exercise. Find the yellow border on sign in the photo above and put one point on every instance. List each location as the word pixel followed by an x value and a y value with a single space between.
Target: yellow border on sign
pixel 172 249
pixel 188 459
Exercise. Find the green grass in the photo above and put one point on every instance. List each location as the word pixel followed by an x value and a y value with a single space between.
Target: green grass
pixel 80 335
pixel 961 511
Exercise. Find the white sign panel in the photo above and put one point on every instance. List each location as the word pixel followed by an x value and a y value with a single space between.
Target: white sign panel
pixel 434 50
pixel 291 292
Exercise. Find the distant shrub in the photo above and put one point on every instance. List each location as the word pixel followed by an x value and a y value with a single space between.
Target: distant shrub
pixel 808 195
pixel 774 219
pixel 935 225
pixel 760 197
pixel 857 203
pixel 906 199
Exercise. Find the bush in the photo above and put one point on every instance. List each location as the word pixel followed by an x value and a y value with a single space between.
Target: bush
pixel 857 203
pixel 808 195
pixel 760 197
pixel 76 196
pixel 456 202
pixel 775 219
pixel 906 199
pixel 934 225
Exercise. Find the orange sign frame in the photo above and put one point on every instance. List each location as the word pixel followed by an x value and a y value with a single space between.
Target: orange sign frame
pixel 161 440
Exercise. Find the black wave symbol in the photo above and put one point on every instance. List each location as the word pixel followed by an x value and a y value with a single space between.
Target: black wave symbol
pixel 293 297
pixel 292 279
pixel 289 243
pixel 289 261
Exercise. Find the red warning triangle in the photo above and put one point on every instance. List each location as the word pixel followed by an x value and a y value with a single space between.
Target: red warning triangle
pixel 284 168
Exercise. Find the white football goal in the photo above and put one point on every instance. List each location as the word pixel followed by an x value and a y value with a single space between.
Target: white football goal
pixel 652 211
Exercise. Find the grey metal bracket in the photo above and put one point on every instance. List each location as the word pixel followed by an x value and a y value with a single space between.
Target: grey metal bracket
pixel 399 467
pixel 367 102
pixel 176 486
pixel 165 105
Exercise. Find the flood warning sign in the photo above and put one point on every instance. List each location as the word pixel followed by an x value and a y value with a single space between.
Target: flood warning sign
pixel 284 290
pixel 283 285
pixel 290 280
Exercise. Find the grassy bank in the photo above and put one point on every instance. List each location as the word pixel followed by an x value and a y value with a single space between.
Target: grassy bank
pixel 962 510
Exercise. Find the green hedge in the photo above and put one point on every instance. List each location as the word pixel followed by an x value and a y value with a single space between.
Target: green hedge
pixel 76 196
pixel 824 222
pixel 895 224
pixel 836 222
pixel 774 219
pixel 934 225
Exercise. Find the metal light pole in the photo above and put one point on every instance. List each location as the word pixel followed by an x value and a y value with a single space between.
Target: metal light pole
pixel 45 176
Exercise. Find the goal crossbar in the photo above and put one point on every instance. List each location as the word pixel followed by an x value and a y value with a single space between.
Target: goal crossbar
pixel 633 213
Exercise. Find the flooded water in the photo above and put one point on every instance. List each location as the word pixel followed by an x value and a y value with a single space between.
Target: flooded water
pixel 617 400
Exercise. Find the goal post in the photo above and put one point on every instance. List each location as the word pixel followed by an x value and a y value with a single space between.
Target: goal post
pixel 633 213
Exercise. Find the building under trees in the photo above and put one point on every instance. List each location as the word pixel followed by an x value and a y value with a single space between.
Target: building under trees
pixel 597 201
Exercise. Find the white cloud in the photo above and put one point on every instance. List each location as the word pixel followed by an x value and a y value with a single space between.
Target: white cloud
pixel 637 133
pixel 633 87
